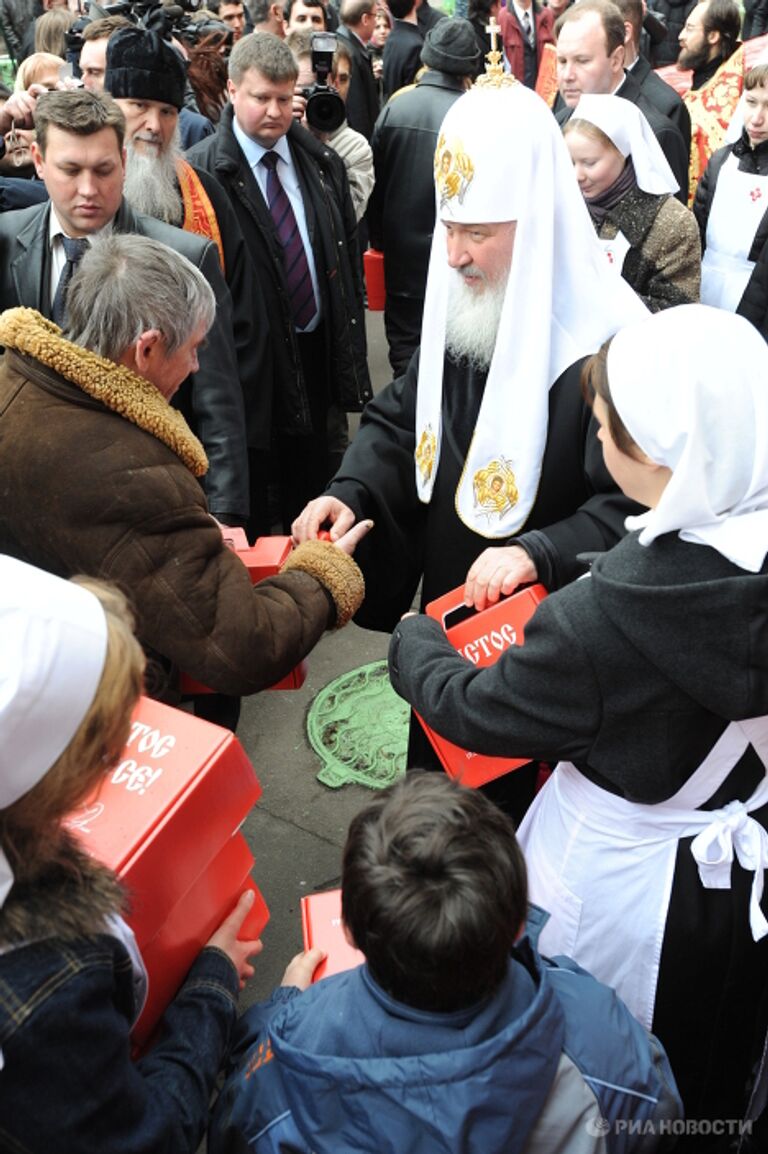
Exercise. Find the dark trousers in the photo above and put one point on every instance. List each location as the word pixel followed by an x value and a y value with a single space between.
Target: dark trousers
pixel 296 469
pixel 402 324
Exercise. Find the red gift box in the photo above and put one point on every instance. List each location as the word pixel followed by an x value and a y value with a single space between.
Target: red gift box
pixel 481 639
pixel 373 267
pixel 263 559
pixel 321 926
pixel 166 820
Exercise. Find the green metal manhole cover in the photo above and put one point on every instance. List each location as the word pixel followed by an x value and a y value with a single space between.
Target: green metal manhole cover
pixel 359 728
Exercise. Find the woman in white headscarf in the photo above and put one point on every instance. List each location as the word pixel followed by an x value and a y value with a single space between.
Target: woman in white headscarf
pixel 72 981
pixel 628 188
pixel 648 681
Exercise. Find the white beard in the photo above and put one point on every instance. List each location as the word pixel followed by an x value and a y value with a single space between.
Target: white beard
pixel 472 321
pixel 150 183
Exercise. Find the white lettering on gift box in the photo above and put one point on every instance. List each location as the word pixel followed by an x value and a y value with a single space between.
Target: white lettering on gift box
pixel 489 645
pixel 136 778
pixel 85 816
pixel 150 740
pixel 152 744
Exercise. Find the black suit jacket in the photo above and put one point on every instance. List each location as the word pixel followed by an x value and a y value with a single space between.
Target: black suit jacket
pixel 668 136
pixel 363 98
pixel 663 97
pixel 213 392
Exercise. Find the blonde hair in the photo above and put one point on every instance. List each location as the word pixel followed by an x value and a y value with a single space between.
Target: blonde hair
pixel 587 128
pixel 30 828
pixel 34 68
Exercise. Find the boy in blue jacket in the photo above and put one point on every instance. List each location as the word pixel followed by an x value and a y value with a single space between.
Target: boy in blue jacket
pixel 455 1036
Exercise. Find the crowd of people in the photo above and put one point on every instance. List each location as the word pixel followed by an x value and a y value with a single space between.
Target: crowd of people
pixel 574 956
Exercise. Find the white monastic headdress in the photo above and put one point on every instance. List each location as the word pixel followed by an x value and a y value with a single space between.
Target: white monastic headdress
pixel 501 157
pixel 629 131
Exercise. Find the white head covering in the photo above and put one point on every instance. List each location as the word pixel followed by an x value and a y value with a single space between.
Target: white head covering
pixel 53 644
pixel 501 157
pixel 629 131
pixel 690 386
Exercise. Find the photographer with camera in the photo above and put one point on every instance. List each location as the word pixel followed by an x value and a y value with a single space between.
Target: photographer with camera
pixel 279 178
pixel 324 72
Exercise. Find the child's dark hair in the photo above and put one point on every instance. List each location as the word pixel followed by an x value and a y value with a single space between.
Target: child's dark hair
pixel 594 383
pixel 434 892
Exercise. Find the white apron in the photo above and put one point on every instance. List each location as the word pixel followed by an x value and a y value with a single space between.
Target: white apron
pixel 739 204
pixel 603 867
pixel 615 250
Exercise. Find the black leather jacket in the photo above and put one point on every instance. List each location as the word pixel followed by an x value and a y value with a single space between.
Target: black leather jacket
pixel 401 211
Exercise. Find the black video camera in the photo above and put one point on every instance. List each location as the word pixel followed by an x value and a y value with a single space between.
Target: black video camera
pixel 325 111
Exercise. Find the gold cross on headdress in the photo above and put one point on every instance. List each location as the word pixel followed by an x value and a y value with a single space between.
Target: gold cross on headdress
pixel 494 76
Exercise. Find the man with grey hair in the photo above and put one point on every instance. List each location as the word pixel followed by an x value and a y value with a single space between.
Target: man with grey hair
pixel 291 197
pixel 268 17
pixel 79 155
pixel 98 475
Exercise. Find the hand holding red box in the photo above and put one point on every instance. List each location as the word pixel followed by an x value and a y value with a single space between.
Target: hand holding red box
pixel 166 820
pixel 481 639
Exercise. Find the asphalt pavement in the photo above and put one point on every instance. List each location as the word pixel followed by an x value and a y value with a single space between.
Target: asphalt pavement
pixel 297 830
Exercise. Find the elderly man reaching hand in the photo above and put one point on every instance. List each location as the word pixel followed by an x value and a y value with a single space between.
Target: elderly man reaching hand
pixel 98 475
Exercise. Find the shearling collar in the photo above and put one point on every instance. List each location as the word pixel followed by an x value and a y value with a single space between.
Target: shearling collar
pixel 72 899
pixel 115 386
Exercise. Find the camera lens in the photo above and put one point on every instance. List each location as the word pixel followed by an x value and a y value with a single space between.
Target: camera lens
pixel 325 111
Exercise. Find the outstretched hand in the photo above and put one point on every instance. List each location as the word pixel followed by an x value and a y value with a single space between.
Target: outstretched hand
pixel 497 573
pixel 225 938
pixel 313 517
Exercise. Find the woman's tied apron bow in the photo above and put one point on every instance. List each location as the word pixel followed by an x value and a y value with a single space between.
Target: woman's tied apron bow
pixel 732 829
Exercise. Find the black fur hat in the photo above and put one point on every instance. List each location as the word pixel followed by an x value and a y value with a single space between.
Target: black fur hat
pixel 141 66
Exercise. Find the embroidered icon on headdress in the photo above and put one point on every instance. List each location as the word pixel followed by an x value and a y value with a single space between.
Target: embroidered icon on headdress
pixel 495 488
pixel 454 172
pixel 425 453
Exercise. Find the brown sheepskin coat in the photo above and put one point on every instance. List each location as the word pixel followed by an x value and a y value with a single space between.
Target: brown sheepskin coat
pixel 97 476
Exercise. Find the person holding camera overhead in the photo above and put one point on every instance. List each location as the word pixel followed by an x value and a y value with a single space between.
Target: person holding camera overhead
pixel 287 187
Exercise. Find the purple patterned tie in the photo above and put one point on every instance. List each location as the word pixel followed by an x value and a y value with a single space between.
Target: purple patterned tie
pixel 300 291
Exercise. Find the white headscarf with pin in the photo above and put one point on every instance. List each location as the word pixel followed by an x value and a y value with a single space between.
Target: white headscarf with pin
pixel 501 157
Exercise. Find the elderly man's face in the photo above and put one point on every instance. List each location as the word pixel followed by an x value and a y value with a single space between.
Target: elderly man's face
pixel 481 253
pixel 583 61
pixel 93 64
pixel 149 125
pixel 84 177
pixel 166 370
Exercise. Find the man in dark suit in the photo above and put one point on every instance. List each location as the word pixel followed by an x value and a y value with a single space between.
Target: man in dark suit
pixel 79 155
pixel 590 58
pixel 661 95
pixel 358 20
pixel 291 196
